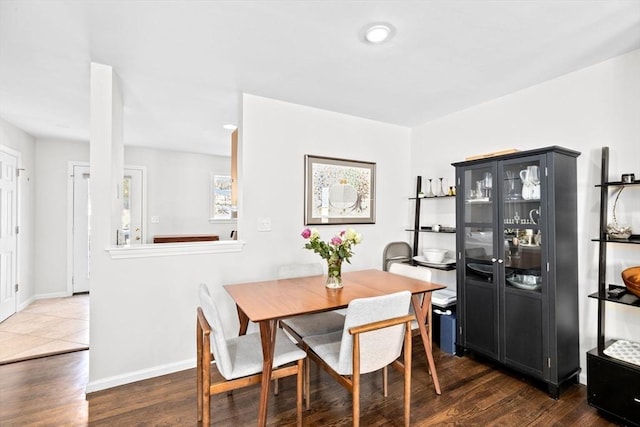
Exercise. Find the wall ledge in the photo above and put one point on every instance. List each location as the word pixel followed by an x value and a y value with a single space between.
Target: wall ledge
pixel 172 249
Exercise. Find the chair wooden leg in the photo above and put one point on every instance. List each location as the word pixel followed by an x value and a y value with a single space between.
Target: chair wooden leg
pixel 407 376
pixel 307 387
pixel 355 392
pixel 199 368
pixel 206 384
pixel 299 386
pixel 385 381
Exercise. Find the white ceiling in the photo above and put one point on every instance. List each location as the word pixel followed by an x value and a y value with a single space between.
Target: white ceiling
pixel 184 64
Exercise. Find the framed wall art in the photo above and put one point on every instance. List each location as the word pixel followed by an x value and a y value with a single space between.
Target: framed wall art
pixel 339 191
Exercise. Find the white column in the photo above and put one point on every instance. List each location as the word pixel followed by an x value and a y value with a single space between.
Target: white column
pixel 106 156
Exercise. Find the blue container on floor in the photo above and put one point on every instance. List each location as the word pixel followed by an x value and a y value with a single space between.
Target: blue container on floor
pixel 448 333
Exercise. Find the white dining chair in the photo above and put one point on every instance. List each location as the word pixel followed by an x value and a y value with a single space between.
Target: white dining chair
pixel 239 359
pixel 419 273
pixel 374 333
pixel 304 325
pixel 309 324
pixel 395 252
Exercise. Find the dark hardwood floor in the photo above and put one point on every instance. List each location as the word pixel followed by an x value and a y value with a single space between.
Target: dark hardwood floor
pixel 50 392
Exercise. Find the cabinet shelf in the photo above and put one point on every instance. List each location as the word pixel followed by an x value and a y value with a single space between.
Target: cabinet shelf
pixel 627 299
pixel 618 184
pixel 447 267
pixel 434 197
pixel 634 239
pixel 422 230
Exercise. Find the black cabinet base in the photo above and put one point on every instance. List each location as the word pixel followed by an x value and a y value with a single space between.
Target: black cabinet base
pixel 613 386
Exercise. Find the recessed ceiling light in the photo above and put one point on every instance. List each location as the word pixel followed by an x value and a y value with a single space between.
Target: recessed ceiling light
pixel 377 33
pixel 230 127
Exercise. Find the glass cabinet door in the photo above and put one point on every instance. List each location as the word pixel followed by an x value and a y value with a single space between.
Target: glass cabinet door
pixel 479 213
pixel 478 243
pixel 522 220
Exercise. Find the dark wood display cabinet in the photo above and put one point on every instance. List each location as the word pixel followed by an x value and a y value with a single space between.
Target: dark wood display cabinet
pixel 517 269
pixel 418 229
pixel 613 384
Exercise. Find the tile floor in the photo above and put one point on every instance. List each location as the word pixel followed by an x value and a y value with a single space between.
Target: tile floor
pixel 46 327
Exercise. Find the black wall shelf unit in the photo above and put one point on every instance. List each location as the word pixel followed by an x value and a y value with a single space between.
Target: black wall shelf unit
pixel 417 228
pixel 613 385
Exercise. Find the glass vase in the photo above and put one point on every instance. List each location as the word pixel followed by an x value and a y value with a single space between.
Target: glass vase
pixel 440 192
pixel 334 276
pixel 430 190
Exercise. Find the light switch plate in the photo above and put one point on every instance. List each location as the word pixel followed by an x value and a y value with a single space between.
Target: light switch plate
pixel 264 224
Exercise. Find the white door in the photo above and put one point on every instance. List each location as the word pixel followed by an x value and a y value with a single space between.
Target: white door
pixel 81 228
pixel 132 219
pixel 8 233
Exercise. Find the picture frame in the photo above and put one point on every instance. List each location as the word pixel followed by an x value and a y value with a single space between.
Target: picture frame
pixel 339 191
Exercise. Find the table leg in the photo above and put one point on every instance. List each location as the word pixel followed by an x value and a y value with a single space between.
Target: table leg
pixel 244 321
pixel 268 338
pixel 422 312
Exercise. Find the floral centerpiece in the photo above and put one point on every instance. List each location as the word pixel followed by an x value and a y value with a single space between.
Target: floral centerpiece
pixel 335 251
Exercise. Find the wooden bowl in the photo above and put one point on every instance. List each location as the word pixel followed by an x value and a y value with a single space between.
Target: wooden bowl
pixel 631 279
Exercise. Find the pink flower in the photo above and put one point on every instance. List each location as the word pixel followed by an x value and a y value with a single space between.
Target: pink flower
pixel 335 241
pixel 342 233
pixel 306 233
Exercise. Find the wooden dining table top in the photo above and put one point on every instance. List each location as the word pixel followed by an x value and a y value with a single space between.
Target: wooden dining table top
pixel 273 299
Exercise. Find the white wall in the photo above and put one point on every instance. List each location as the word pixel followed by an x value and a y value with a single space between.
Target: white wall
pixel 16 139
pixel 178 190
pixel 144 313
pixel 585 110
pixel 275 138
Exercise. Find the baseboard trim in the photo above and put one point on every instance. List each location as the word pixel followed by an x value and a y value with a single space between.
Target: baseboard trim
pixel 140 375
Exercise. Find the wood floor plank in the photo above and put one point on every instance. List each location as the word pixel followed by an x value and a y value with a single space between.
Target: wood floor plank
pixel 50 391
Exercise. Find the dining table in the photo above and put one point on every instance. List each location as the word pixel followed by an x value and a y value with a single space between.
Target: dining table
pixel 265 302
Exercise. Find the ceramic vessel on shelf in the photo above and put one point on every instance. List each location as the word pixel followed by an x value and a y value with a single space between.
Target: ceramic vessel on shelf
pixel 530 178
pixel 528 282
pixel 616 231
pixel 631 279
pixel 434 255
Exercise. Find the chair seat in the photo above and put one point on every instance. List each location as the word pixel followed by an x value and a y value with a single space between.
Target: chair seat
pixel 315 324
pixel 327 347
pixel 245 352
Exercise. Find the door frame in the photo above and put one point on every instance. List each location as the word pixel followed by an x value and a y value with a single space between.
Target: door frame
pixel 70 166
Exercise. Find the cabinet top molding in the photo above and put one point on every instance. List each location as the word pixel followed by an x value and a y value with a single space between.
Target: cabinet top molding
pixel 515 155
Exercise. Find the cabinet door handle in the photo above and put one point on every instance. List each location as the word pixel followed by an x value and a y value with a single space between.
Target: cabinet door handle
pixel 637 400
pixel 500 261
pixel 494 259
